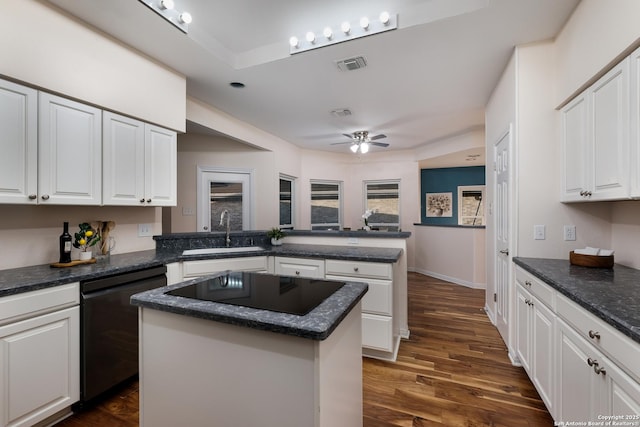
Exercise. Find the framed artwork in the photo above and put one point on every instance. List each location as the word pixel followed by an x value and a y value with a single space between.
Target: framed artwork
pixel 439 205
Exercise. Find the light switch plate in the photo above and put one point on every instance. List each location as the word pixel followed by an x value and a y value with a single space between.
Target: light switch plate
pixel 569 232
pixel 144 230
pixel 538 232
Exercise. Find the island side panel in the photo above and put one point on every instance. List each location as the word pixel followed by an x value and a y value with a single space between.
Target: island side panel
pixel 340 374
pixel 199 372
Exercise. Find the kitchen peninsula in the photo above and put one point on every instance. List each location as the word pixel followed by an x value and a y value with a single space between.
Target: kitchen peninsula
pixel 258 358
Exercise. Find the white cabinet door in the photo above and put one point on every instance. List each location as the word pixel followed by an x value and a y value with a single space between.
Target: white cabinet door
pixel 575 146
pixel 19 159
pixel 140 163
pixel 610 129
pixel 39 367
pixel 634 137
pixel 161 166
pixel 123 160
pixel 523 328
pixel 69 152
pixel 543 326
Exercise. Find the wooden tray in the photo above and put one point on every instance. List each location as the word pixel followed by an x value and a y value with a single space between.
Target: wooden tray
pixel 72 263
pixel 591 260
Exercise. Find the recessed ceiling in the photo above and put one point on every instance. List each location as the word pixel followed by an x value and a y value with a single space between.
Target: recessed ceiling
pixel 430 78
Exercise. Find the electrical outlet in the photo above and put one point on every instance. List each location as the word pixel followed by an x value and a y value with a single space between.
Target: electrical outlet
pixel 188 211
pixel 538 232
pixel 569 232
pixel 144 230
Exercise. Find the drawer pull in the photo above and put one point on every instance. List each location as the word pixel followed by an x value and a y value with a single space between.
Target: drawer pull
pixel 599 370
pixel 297 273
pixel 528 283
pixel 594 335
pixel 356 269
pixel 592 362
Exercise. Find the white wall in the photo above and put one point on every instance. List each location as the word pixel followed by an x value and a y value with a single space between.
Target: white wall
pixel 597 33
pixel 29 234
pixel 43 47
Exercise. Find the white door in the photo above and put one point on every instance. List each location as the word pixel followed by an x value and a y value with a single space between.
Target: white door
pixel 220 190
pixel 502 233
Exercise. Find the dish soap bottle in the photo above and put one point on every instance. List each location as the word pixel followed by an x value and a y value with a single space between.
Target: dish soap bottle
pixel 65 244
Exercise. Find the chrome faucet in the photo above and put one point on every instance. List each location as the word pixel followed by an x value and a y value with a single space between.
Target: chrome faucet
pixel 226 212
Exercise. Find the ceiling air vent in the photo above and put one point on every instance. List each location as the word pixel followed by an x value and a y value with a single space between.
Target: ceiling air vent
pixel 341 112
pixel 351 64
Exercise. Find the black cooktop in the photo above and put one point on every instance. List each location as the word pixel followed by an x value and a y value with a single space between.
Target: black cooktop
pixel 293 295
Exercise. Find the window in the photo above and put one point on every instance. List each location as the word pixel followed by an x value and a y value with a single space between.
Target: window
pixel 471 205
pixel 326 205
pixel 383 198
pixel 287 201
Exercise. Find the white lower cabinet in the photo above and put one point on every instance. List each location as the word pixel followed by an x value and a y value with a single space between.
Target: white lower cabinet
pixel 379 334
pixel 39 367
pixel 193 269
pixel 299 267
pixel 583 368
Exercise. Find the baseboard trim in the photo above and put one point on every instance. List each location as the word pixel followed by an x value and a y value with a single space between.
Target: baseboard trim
pixel 454 280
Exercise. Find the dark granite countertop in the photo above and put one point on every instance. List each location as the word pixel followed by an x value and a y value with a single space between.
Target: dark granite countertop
pixel 613 295
pixel 25 279
pixel 316 325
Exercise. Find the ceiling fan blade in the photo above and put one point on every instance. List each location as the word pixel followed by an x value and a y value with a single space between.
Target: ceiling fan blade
pixel 348 136
pixel 380 136
pixel 379 144
pixel 340 143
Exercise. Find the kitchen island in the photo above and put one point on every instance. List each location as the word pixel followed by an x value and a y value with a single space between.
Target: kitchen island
pixel 236 363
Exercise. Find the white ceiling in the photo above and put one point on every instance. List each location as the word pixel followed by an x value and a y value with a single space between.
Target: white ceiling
pixel 428 79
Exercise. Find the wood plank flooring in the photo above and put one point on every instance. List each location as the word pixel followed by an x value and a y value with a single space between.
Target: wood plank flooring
pixel 453 371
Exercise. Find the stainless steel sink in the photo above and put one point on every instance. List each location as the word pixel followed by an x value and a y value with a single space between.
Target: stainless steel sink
pixel 232 250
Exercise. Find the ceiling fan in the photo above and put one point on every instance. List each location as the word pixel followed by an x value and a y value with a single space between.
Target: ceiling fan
pixel 360 140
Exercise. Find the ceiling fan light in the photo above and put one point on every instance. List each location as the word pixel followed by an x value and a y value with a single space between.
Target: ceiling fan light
pixel 354 148
pixel 364 147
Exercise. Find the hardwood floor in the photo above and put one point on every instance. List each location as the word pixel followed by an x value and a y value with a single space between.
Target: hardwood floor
pixel 453 371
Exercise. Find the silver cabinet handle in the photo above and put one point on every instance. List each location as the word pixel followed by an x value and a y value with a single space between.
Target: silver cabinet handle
pixel 45 197
pixel 598 370
pixel 592 362
pixel 32 197
pixel 505 251
pixel 594 335
pixel 205 228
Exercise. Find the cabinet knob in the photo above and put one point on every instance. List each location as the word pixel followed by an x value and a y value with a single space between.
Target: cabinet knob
pixel 205 228
pixel 148 200
pixel 528 283
pixel 297 273
pixel 356 269
pixel 142 200
pixel 594 335
pixel 598 370
pixel 45 197
pixel 32 197
pixel 592 362
pixel 582 193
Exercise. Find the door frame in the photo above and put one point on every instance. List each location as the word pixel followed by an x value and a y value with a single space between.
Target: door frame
pixel 203 219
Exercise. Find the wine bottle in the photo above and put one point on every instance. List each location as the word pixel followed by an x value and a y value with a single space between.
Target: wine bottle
pixel 65 244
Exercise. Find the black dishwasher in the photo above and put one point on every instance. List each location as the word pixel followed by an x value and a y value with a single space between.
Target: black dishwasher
pixel 109 329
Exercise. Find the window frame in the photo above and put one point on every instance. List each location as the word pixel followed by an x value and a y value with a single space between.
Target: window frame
pixel 365 192
pixel 292 199
pixel 323 226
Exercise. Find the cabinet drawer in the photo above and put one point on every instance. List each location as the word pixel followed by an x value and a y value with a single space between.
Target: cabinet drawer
pixel 30 304
pixel 374 270
pixel 536 287
pixel 377 332
pixel 209 266
pixel 300 267
pixel 379 296
pixel 613 343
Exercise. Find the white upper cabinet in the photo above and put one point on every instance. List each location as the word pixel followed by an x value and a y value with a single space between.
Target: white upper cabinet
pixel 140 162
pixel 69 152
pixel 161 166
pixel 595 138
pixel 19 142
pixel 635 123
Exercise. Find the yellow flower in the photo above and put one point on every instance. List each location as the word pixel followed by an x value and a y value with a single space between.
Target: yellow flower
pixel 82 241
pixel 88 233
